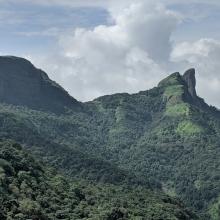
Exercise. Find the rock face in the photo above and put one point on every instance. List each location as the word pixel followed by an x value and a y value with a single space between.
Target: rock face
pixel 23 84
pixel 190 79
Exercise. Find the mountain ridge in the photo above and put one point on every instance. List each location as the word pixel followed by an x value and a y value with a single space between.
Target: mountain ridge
pixel 26 67
pixel 167 134
pixel 23 84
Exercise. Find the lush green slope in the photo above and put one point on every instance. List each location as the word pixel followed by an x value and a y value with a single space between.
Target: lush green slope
pixel 166 136
pixel 30 191
pixel 20 124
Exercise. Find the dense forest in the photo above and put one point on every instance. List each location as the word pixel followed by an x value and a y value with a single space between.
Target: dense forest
pixel 28 190
pixel 164 140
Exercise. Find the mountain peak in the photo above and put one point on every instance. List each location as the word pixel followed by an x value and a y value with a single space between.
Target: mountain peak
pixel 23 84
pixel 190 80
pixel 173 79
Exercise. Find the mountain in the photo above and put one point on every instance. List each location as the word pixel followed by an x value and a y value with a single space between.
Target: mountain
pixel 165 138
pixel 29 190
pixel 23 84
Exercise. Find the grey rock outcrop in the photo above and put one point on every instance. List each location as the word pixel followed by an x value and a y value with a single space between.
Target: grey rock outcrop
pixel 190 79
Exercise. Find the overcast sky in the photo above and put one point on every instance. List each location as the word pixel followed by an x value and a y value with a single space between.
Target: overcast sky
pixel 98 47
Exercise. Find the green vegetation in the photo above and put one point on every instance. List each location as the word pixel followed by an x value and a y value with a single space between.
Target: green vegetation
pixel 215 210
pixel 189 128
pixel 173 79
pixel 30 191
pixel 176 110
pixel 175 91
pixel 162 139
pixel 144 148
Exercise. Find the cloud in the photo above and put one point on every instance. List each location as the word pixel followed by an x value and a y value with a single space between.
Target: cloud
pixel 142 42
pixel 127 56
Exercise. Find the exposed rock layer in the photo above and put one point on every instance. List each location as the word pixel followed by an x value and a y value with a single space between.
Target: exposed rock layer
pixel 190 79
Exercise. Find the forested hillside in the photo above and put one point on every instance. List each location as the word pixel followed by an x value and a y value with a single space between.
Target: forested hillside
pixel 165 138
pixel 28 190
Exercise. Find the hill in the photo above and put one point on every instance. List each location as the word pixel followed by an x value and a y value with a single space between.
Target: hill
pixel 165 137
pixel 30 191
pixel 23 84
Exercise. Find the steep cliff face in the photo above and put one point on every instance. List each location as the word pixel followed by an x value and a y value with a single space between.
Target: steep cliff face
pixel 191 95
pixel 190 79
pixel 23 84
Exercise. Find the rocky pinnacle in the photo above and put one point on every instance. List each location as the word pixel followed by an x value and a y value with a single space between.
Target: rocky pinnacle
pixel 190 79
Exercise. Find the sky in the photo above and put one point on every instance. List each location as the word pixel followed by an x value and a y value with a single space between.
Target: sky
pixel 98 47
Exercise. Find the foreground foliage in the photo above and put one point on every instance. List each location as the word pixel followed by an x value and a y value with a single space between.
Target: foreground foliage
pixel 30 191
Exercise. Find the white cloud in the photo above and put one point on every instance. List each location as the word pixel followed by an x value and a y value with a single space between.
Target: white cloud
pixel 131 54
pixel 128 56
